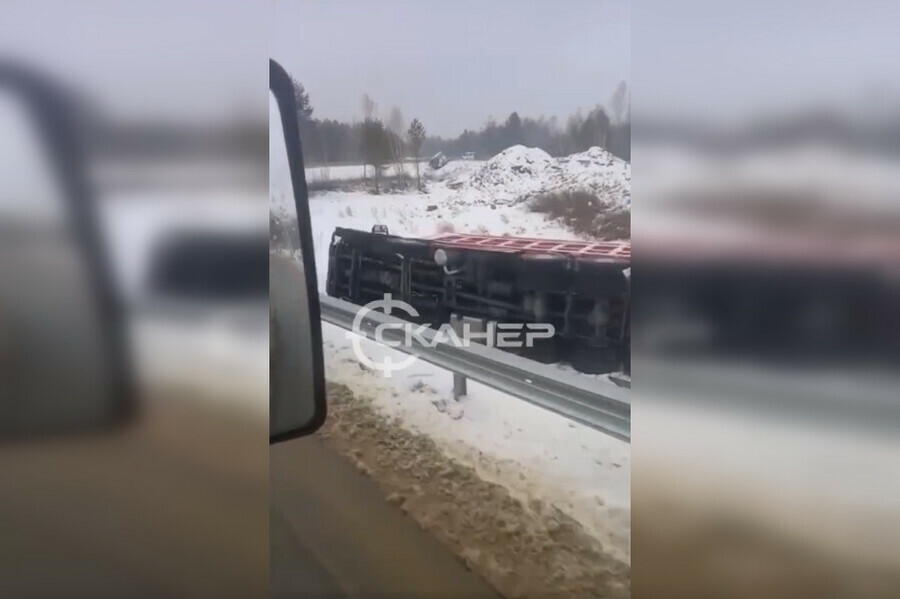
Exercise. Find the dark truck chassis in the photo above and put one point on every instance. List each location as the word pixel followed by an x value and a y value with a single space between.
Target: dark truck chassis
pixel 581 288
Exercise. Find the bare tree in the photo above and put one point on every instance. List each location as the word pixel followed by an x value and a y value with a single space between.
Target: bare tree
pixel 584 132
pixel 369 110
pixel 620 104
pixel 415 135
pixel 375 148
pixel 598 124
pixel 395 126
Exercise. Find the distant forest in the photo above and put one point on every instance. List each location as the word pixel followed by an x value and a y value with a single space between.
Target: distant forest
pixel 379 141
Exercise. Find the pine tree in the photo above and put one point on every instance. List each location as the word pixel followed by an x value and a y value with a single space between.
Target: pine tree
pixel 303 104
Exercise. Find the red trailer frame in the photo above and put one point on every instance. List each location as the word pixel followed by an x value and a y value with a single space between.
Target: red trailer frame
pixel 618 251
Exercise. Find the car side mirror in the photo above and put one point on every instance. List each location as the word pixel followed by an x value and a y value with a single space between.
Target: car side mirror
pixel 63 365
pixel 296 367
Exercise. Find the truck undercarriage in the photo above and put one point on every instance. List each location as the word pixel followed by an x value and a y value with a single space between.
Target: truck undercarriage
pixel 581 288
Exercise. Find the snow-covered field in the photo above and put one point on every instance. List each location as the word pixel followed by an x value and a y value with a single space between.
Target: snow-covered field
pixel 350 172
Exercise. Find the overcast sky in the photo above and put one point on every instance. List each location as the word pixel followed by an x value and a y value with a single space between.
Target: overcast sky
pixel 167 59
pixel 453 64
pixel 708 59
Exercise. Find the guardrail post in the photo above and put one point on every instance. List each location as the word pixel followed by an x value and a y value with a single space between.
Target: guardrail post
pixel 459 380
pixel 476 326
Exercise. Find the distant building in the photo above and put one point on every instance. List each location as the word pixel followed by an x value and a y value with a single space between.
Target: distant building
pixel 469 156
pixel 437 161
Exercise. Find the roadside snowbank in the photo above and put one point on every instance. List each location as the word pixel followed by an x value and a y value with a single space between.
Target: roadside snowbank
pixel 523 548
pixel 534 453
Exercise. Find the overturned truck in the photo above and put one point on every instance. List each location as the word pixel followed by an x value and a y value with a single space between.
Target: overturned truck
pixel 580 288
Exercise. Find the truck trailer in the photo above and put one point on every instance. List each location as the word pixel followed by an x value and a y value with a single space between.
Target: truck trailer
pixel 582 288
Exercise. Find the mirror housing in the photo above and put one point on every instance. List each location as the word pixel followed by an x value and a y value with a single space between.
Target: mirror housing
pixel 296 365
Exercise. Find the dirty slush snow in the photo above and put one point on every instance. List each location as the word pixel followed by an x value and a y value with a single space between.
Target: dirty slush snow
pixel 524 548
pixel 532 452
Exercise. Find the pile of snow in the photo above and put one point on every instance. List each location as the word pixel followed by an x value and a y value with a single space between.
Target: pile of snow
pixel 519 173
pixel 598 171
pixel 455 173
pixel 512 174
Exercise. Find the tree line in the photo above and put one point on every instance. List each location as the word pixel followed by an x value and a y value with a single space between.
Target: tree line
pixel 579 132
pixel 380 142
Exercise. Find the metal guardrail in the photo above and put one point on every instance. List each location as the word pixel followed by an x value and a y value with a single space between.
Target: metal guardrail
pixel 599 404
